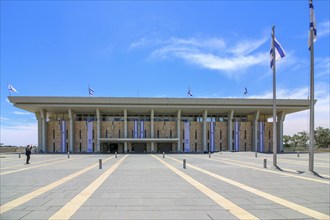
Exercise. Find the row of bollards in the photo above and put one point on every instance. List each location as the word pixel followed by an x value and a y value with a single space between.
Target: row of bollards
pixel 100 161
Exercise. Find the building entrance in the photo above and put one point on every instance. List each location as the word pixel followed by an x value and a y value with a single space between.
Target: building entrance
pixel 139 148
pixel 165 147
pixel 110 148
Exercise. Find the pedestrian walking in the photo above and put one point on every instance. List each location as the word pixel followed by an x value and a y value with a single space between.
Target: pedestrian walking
pixel 28 153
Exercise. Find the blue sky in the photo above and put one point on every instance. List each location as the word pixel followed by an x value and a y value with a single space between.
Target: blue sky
pixel 158 49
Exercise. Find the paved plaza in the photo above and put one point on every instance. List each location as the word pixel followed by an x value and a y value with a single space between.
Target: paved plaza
pixel 147 186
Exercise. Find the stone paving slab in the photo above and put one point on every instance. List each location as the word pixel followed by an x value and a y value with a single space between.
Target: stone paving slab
pixel 143 188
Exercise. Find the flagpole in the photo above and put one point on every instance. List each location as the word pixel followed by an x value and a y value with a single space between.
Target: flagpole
pixel 311 103
pixel 274 100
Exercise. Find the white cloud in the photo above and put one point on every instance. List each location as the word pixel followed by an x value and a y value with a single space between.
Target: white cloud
pixel 209 53
pixel 28 134
pixel 4 119
pixel 322 67
pixel 300 121
pixel 213 62
pixel 323 29
pixel 22 113
pixel 245 47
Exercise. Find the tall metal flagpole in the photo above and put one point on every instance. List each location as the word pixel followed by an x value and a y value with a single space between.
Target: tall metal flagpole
pixel 274 100
pixel 311 102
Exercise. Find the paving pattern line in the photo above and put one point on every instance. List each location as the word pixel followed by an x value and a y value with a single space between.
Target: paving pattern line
pixel 236 163
pixel 37 162
pixel 21 200
pixel 71 207
pixel 300 161
pixel 260 164
pixel 304 210
pixel 33 167
pixel 305 163
pixel 220 200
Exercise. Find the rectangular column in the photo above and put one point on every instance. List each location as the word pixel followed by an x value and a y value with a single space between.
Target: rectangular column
pixel 204 132
pixel 43 116
pixel 178 127
pixel 37 114
pixel 152 118
pixel 280 120
pixel 71 131
pixel 255 131
pixel 98 130
pixel 230 129
pixel 125 130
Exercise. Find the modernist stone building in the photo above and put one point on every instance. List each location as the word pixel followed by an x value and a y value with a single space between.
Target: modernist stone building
pixel 138 125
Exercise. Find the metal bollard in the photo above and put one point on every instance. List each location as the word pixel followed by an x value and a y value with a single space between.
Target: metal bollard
pixel 100 163
pixel 184 163
pixel 298 154
pixel 116 154
pixel 209 154
pixel 256 155
pixel 265 163
pixel 68 154
pixel 19 155
pixel 163 154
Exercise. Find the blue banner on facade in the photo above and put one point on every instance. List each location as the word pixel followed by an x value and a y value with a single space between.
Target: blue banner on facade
pixel 212 136
pixel 236 134
pixel 141 129
pixel 135 129
pixel 89 136
pixel 261 136
pixel 63 136
pixel 186 137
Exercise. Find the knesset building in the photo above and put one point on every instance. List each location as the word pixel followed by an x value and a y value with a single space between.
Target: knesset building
pixel 151 125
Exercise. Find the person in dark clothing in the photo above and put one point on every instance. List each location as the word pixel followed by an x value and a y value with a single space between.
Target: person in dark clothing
pixel 28 153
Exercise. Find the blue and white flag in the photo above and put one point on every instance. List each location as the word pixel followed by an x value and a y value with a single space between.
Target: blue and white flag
pixel 90 91
pixel 189 92
pixel 11 88
pixel 246 91
pixel 279 52
pixel 312 25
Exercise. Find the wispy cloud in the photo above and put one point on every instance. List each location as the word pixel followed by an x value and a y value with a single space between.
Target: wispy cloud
pixel 4 119
pixel 322 67
pixel 209 53
pixel 10 133
pixel 300 121
pixel 22 113
pixel 323 29
pixel 245 47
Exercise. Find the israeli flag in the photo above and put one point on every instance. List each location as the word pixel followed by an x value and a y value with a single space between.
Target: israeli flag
pixel 279 52
pixel 312 25
pixel 90 91
pixel 11 88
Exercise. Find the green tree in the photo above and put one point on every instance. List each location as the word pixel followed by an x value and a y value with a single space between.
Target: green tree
pixel 287 141
pixel 322 137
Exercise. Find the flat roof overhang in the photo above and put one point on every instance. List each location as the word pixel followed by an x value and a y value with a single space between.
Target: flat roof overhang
pixel 114 105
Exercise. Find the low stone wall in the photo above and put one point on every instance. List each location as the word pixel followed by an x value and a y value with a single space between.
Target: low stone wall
pixel 12 149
